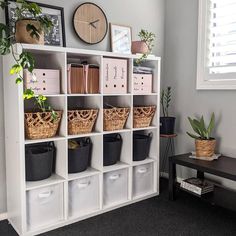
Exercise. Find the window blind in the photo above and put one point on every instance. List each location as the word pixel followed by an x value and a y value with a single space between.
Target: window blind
pixel 221 41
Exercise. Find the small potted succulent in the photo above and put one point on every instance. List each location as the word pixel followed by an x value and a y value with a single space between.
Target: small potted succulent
pixel 204 143
pixel 144 45
pixel 167 122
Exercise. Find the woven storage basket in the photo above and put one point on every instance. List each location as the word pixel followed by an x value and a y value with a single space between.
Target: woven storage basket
pixel 143 116
pixel 115 118
pixel 40 125
pixel 81 121
pixel 205 148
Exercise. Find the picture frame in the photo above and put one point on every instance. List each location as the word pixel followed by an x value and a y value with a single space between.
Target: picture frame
pixel 56 36
pixel 121 38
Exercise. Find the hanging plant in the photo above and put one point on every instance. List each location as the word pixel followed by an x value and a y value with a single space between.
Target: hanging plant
pixel 34 28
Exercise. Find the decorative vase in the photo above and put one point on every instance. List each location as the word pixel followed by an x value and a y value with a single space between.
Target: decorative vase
pixel 23 36
pixel 205 148
pixel 167 125
pixel 139 47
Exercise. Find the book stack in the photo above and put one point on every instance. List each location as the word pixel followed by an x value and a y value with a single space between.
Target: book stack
pixel 197 186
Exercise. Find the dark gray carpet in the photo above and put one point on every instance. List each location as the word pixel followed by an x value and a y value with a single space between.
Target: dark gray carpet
pixel 154 217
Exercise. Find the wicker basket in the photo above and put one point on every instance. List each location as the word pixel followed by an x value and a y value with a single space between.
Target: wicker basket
pixel 40 125
pixel 205 148
pixel 81 121
pixel 115 118
pixel 143 116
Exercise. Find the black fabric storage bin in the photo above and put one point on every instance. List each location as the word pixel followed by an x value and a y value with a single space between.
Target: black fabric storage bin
pixel 141 146
pixel 39 161
pixel 79 158
pixel 112 145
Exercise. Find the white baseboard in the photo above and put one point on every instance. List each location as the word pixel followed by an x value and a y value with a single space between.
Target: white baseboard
pixel 3 216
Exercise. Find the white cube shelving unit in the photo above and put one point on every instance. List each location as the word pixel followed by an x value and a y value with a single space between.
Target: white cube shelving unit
pixel 106 183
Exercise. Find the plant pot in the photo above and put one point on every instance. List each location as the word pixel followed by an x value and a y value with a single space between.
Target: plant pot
pixel 112 149
pixel 141 146
pixel 79 158
pixel 167 125
pixel 39 161
pixel 139 47
pixel 205 148
pixel 23 36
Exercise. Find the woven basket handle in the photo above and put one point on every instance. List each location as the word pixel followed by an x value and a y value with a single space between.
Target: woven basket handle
pixel 90 116
pixel 150 135
pixel 118 136
pixel 149 111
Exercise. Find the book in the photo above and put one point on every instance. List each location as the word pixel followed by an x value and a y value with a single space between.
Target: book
pixel 197 186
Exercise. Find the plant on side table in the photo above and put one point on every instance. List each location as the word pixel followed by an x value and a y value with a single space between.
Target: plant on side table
pixel 144 46
pixel 167 122
pixel 204 143
pixel 28 30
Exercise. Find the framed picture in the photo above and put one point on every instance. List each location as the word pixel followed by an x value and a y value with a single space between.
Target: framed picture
pixel 121 38
pixel 56 36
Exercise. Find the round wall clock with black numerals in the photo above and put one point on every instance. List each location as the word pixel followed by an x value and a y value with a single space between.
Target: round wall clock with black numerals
pixel 90 23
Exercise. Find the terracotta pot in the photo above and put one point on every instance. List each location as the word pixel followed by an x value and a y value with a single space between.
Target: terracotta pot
pixel 139 47
pixel 23 36
pixel 205 148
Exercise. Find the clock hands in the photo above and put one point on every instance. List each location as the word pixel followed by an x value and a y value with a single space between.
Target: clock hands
pixel 93 22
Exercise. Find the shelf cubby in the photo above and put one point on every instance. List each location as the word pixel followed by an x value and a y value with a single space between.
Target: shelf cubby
pixel 52 60
pixel 60 171
pixel 147 100
pixel 120 101
pixel 88 102
pixel 89 59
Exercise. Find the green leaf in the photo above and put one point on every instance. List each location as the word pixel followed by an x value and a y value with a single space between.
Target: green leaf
pixel 211 124
pixel 192 135
pixel 28 94
pixel 16 69
pixel 194 126
pixel 18 80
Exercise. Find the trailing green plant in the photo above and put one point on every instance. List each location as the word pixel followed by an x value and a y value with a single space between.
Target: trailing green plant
pixel 165 101
pixel 25 60
pixel 148 38
pixel 202 131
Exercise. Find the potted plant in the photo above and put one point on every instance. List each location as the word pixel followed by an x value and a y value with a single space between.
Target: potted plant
pixel 204 143
pixel 167 122
pixel 30 25
pixel 33 29
pixel 144 45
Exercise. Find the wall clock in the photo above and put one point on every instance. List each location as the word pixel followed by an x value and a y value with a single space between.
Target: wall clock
pixel 90 23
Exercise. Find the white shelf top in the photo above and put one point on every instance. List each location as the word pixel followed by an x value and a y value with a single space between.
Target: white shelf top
pixel 82 52
pixel 84 135
pixel 119 165
pixel 56 138
pixel 89 172
pixel 145 128
pixel 54 179
pixel 146 161
pixel 117 131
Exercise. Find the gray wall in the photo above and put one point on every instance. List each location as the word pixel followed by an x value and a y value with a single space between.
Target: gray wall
pixel 180 60
pixel 136 13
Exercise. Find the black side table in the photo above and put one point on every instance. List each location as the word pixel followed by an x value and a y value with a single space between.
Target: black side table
pixel 223 167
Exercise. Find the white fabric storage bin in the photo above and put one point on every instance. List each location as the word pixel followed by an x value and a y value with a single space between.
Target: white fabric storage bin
pixel 142 180
pixel 44 206
pixel 115 187
pixel 84 196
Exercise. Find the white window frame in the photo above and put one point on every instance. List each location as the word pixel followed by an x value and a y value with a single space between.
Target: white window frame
pixel 202 82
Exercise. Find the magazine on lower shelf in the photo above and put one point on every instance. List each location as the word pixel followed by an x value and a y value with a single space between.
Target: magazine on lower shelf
pixel 197 185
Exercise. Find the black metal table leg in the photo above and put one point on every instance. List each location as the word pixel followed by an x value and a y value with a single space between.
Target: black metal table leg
pixel 172 179
pixel 200 174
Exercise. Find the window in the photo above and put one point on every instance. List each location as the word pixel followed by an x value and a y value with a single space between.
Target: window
pixel 216 67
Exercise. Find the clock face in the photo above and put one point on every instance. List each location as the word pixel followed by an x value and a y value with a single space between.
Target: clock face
pixel 90 23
